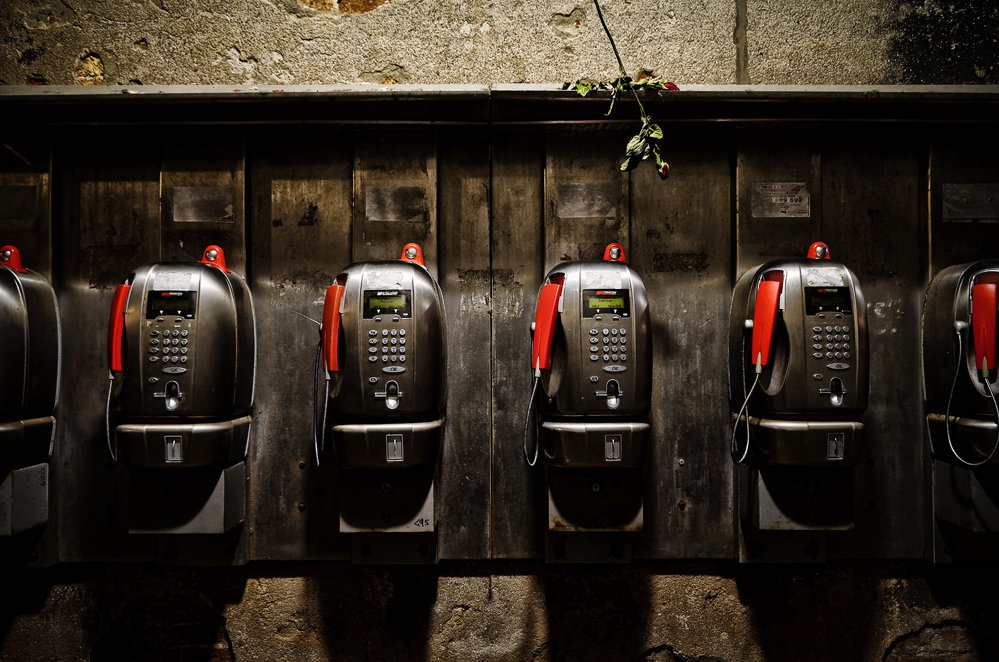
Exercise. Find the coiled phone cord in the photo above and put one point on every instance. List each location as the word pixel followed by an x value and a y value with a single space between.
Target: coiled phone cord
pixel 319 433
pixel 107 418
pixel 959 330
pixel 530 417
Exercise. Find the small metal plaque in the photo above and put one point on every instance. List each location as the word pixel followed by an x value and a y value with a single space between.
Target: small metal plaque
pixel 835 445
pixel 969 202
pixel 612 447
pixel 18 205
pixel 394 448
pixel 588 199
pixel 174 448
pixel 395 203
pixel 781 200
pixel 196 204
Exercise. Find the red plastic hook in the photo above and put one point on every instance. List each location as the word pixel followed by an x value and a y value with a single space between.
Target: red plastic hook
pixel 818 251
pixel 214 256
pixel 412 253
pixel 610 250
pixel 11 257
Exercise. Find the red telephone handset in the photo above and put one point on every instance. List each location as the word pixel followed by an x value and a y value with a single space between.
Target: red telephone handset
pixel 983 321
pixel 331 325
pixel 544 325
pixel 116 327
pixel 764 319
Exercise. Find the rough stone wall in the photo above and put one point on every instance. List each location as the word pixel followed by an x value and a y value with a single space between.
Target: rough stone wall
pixel 295 42
pixel 503 611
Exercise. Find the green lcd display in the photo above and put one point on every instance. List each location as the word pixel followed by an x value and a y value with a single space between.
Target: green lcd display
pixel 159 303
pixel 606 302
pixel 614 302
pixel 387 302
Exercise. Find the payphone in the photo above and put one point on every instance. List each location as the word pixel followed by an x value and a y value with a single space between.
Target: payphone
pixel 384 355
pixel 799 379
pixel 30 368
pixel 960 386
pixel 592 358
pixel 182 357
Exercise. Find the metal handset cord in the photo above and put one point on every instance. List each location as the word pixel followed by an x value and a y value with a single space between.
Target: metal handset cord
pixel 319 433
pixel 745 407
pixel 957 371
pixel 107 418
pixel 530 416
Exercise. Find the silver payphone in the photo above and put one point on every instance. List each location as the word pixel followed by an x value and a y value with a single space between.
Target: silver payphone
pixel 182 358
pixel 961 386
pixel 29 388
pixel 799 379
pixel 592 357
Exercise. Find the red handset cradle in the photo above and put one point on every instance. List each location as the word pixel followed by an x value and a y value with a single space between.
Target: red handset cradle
pixel 764 319
pixel 116 327
pixel 983 322
pixel 331 325
pixel 544 325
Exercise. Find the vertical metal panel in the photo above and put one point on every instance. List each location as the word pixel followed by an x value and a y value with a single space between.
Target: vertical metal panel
pixel 110 224
pixel 582 214
pixel 25 218
pixel 517 239
pixel 390 168
pixel 681 246
pixel 207 166
pixel 301 210
pixel 464 487
pixel 871 221
pixel 961 158
pixel 783 156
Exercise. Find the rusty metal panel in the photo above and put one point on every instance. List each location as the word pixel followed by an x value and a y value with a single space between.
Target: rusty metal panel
pixel 517 240
pixel 775 157
pixel 202 189
pixel 871 221
pixel 586 197
pixel 109 224
pixel 963 167
pixel 682 247
pixel 464 489
pixel 395 195
pixel 300 197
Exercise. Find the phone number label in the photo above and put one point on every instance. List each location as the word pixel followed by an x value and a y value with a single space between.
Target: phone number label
pixel 781 200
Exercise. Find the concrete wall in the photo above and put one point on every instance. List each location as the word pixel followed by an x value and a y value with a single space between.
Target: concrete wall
pixel 286 42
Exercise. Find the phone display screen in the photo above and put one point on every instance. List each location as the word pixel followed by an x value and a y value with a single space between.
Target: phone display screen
pixel 612 302
pixel 176 303
pixel 387 302
pixel 828 300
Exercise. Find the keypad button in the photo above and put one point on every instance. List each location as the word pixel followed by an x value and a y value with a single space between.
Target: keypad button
pixel 154 333
pixel 829 355
pixel 154 342
pixel 816 337
pixel 176 332
pixel 594 350
pixel 174 359
pixel 624 357
pixel 817 346
pixel 839 346
pixel 402 332
pixel 154 359
pixel 594 341
pixel 183 350
pixel 395 319
pixel 384 332
pixel 838 329
pixel 817 355
pixel 616 318
pixel 378 318
pixel 606 358
pixel 829 345
pixel 395 332
pixel 160 319
pixel 606 341
pixel 372 332
pixel 372 341
pixel 402 350
pixel 395 341
pixel 846 355
pixel 839 355
pixel 402 359
pixel 183 333
pixel 613 332
pixel 846 345
pixel 613 357
pixel 839 316
pixel 154 350
pixel 593 332
pixel 594 357
pixel 183 359
pixel 372 359
pixel 821 316
pixel 402 341
pixel 384 341
pixel 394 359
pixel 372 350
pixel 598 317
pixel 613 341
pixel 384 358
pixel 393 349
pixel 624 332
pixel 817 329
pixel 605 332
pixel 846 336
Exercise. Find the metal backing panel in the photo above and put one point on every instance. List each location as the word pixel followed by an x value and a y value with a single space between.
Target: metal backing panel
pixel 517 241
pixel 464 491
pixel 25 202
pixel 301 203
pixel 681 246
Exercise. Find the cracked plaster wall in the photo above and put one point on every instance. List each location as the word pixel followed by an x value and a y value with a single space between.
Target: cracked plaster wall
pixel 503 611
pixel 286 42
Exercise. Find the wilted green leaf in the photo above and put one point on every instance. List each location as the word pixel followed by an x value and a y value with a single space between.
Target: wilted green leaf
pixel 636 146
pixel 655 132
pixel 583 88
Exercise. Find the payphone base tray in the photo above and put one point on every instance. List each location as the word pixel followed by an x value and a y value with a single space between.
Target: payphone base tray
pixel 973 438
pixel 379 502
pixel 781 498
pixel 186 502
pixel 592 445
pixel 24 499
pixel 807 443
pixel 183 446
pixel 388 446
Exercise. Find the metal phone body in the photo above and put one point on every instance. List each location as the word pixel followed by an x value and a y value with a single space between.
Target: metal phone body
pixel 948 301
pixel 394 363
pixel 30 362
pixel 189 366
pixel 600 354
pixel 819 362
